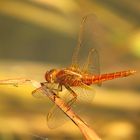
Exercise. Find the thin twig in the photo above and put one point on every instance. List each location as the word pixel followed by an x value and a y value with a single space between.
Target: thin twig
pixel 87 132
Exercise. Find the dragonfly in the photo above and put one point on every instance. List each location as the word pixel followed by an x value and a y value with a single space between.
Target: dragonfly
pixel 78 78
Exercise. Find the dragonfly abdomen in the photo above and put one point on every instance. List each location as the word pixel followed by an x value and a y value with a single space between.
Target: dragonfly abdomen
pixel 104 77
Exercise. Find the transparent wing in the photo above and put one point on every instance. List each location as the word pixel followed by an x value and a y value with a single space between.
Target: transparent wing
pixel 37 93
pixel 85 95
pixel 88 45
pixel 92 65
pixel 55 117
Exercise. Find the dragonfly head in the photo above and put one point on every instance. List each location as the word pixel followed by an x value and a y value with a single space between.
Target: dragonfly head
pixel 50 76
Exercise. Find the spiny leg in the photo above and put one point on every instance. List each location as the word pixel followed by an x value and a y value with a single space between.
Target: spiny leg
pixel 59 89
pixel 74 95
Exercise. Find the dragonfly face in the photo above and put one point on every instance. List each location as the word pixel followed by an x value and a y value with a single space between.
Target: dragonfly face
pixel 50 76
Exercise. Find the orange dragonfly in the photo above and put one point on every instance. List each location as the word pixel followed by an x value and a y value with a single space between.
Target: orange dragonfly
pixel 78 78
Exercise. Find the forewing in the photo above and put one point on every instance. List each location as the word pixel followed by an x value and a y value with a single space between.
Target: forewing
pixel 89 40
pixel 38 93
pixel 85 94
pixel 55 117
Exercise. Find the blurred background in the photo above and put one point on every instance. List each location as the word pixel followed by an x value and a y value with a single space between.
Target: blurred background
pixel 37 35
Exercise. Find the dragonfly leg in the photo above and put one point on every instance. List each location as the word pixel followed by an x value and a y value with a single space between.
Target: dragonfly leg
pixel 59 89
pixel 70 102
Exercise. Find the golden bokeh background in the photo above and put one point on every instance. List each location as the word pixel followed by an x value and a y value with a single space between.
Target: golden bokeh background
pixel 37 35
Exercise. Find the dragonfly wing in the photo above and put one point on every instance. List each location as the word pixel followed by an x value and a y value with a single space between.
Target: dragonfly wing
pixel 84 93
pixel 38 93
pixel 85 96
pixel 89 43
pixel 56 117
pixel 92 64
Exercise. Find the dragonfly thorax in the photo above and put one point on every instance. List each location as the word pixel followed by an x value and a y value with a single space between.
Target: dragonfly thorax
pixel 50 76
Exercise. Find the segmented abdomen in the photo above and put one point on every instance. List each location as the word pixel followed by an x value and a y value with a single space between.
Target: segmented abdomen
pixel 91 79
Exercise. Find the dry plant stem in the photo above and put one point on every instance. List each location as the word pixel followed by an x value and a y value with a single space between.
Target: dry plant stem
pixel 88 133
